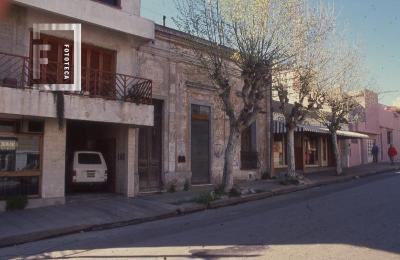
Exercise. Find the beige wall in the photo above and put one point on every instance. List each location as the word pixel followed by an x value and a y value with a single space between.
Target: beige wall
pixel 38 103
pixel 53 168
pixel 127 181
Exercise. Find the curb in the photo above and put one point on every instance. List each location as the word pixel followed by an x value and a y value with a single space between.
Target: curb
pixel 183 210
pixel 291 189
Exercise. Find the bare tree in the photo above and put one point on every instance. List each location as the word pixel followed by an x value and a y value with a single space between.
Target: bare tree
pixel 396 105
pixel 340 99
pixel 252 38
pixel 300 88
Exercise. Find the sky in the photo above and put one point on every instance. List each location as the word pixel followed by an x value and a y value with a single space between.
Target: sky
pixel 374 24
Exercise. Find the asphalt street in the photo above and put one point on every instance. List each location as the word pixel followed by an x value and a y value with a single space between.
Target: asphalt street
pixel 354 220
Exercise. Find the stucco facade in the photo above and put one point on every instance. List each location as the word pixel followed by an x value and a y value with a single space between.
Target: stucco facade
pixel 381 124
pixel 119 30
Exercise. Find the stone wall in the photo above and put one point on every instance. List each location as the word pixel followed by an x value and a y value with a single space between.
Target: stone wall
pixel 179 81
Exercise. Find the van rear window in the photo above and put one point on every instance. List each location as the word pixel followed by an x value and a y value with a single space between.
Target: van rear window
pixel 89 158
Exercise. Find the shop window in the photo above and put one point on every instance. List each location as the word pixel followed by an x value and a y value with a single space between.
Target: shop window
pixel 248 154
pixel 279 151
pixel 20 158
pixel 8 126
pixel 13 186
pixel 311 151
pixel 19 153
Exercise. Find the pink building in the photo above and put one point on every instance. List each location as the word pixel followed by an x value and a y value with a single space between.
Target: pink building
pixel 381 124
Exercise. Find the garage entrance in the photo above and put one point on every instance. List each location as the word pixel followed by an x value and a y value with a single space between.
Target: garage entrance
pixel 96 137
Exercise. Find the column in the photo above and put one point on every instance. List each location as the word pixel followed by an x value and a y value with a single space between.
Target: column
pixel 53 168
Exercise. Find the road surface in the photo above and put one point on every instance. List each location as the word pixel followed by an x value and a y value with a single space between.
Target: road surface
pixel 354 220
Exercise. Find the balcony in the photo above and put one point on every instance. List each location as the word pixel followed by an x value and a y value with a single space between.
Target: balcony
pixel 15 72
pixel 105 97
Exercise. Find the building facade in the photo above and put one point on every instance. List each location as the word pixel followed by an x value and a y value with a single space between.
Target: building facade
pixel 145 105
pixel 381 124
pixel 193 128
pixel 313 146
pixel 37 143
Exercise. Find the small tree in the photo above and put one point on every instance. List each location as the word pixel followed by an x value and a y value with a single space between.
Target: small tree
pixel 247 38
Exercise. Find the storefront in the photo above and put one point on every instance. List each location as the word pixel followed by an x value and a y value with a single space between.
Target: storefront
pixel 312 145
pixel 20 157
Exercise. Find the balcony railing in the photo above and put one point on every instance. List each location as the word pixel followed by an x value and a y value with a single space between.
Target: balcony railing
pixel 16 72
pixel 249 160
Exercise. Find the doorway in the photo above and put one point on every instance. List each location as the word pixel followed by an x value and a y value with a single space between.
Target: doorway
pixel 200 144
pixel 150 148
pixel 90 136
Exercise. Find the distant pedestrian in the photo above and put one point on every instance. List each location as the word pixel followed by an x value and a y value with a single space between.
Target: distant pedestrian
pixel 392 152
pixel 374 152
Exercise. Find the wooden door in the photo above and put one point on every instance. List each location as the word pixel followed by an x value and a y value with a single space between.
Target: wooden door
pixel 200 144
pixel 299 152
pixel 150 147
pixel 53 72
pixel 98 71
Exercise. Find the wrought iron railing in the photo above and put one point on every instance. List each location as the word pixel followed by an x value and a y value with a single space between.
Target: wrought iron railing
pixel 249 160
pixel 15 71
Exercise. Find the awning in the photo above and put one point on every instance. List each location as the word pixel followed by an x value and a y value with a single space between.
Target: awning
pixel 350 134
pixel 280 128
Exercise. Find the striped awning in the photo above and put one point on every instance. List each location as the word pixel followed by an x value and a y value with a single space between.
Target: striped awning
pixel 280 128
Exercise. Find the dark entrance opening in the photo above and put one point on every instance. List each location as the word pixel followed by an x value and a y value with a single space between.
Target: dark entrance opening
pixel 200 144
pixel 88 136
pixel 298 151
pixel 150 147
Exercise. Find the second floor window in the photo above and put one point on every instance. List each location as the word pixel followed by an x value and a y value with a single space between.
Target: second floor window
pixel 98 67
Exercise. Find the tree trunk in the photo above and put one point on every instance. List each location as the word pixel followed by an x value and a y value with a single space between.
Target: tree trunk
pixel 336 152
pixel 291 171
pixel 231 148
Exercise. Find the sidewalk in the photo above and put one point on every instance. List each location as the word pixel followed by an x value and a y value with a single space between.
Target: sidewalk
pixel 101 211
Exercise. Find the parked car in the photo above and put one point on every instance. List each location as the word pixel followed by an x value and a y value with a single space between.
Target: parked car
pixel 89 167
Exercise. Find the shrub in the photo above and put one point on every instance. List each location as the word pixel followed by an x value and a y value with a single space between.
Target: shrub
pixel 205 198
pixel 220 190
pixel 16 202
pixel 172 188
pixel 186 186
pixel 265 176
pixel 234 192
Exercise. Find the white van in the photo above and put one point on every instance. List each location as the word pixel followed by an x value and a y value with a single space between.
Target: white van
pixel 89 167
